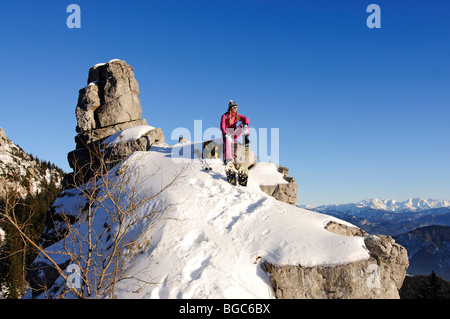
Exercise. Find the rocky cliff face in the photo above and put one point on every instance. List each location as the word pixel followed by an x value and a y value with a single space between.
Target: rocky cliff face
pixel 108 104
pixel 109 99
pixel 23 172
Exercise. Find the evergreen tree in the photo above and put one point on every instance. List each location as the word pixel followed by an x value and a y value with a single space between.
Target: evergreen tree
pixel 432 289
pixel 15 255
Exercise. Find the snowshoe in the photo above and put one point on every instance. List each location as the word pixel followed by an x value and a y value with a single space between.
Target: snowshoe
pixel 230 172
pixel 205 165
pixel 243 175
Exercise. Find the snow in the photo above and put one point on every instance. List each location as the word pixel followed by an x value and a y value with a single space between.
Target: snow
pixel 17 166
pixel 128 134
pixel 266 174
pixel 100 64
pixel 410 205
pixel 2 236
pixel 213 240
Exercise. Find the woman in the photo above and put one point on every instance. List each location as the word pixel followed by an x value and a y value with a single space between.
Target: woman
pixel 230 129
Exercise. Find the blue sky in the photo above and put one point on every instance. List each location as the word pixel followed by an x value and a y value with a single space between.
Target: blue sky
pixel 362 112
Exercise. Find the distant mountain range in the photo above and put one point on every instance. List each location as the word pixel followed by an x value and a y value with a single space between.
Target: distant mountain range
pixel 391 217
pixel 428 249
pixel 421 226
pixel 390 205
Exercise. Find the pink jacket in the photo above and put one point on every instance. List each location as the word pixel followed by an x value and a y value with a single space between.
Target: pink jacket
pixel 225 122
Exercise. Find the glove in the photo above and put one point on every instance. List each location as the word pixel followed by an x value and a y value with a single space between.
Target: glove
pixel 228 137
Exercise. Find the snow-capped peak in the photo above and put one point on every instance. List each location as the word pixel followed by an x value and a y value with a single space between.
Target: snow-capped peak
pixel 411 204
pixel 391 205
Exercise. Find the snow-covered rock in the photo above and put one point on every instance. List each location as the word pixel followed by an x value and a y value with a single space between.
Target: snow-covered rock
pixel 284 188
pixel 215 238
pixel 128 135
pixel 22 172
pixel 380 276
